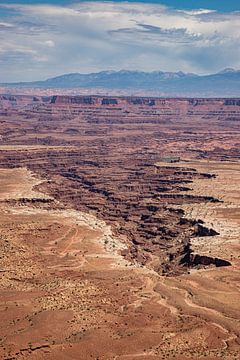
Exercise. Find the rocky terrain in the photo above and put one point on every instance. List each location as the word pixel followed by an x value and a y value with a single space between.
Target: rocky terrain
pixel 120 222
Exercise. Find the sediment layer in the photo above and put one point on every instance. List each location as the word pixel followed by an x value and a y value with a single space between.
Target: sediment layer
pixel 98 201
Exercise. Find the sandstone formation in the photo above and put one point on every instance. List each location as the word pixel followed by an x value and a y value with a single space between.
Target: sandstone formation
pixel 101 237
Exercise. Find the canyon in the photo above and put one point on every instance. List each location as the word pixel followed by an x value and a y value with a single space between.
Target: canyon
pixel 119 231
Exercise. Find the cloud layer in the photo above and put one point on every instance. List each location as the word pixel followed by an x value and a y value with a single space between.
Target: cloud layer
pixel 39 41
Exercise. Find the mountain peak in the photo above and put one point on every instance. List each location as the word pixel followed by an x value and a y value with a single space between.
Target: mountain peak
pixel 227 71
pixel 224 83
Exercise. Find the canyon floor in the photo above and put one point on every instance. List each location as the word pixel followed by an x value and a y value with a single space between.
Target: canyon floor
pixel 119 228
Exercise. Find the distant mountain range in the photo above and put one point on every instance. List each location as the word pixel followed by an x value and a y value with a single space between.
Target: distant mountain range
pixel 224 83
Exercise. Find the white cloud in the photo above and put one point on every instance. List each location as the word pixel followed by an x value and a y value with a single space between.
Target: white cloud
pixel 197 12
pixel 6 25
pixel 94 36
pixel 49 43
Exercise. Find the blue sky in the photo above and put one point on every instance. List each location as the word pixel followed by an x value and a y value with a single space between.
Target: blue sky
pixel 220 5
pixel 40 39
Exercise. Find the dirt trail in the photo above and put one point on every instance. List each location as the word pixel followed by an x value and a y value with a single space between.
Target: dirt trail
pixel 69 265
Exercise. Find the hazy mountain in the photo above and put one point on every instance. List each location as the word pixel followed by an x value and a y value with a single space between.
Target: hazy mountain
pixel 224 83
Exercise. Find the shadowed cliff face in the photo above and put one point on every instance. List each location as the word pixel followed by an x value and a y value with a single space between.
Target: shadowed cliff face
pixel 183 105
pixel 99 155
pixel 164 176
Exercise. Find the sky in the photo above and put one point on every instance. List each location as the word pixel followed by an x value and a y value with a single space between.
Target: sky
pixel 45 38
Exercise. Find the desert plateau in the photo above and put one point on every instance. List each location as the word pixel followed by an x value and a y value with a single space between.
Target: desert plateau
pixel 119 228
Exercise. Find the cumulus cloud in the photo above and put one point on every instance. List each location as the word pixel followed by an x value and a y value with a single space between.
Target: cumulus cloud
pixel 38 41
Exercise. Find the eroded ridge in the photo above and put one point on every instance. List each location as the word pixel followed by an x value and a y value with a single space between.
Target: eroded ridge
pixel 100 155
pixel 97 203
